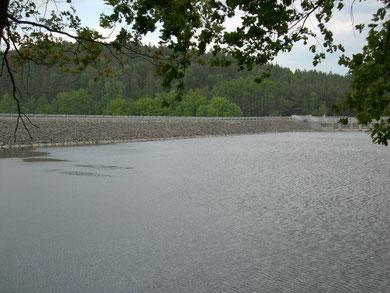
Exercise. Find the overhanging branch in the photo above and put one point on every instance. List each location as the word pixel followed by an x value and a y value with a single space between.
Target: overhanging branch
pixel 14 93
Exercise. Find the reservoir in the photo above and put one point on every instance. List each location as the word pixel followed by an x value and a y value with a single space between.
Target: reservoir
pixel 281 212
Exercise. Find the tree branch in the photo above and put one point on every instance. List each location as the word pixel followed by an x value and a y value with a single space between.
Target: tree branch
pixel 3 16
pixel 78 38
pixel 14 91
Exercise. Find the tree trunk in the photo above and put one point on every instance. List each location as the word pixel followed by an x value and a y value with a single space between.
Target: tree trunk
pixel 3 16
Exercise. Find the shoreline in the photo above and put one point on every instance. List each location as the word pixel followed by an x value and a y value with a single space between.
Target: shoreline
pixel 96 132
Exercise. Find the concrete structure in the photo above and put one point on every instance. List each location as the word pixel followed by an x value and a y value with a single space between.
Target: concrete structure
pixel 326 123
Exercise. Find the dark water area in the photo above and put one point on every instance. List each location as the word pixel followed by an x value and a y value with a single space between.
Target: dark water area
pixel 292 212
pixel 21 153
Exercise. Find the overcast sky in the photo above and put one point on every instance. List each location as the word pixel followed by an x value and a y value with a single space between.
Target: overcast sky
pixel 299 57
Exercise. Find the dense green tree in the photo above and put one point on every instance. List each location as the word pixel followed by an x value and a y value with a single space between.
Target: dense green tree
pixel 112 88
pixel 222 107
pixel 74 102
pixel 313 102
pixel 190 103
pixel 145 107
pixel 322 110
pixel 206 111
pixel 42 106
pixel 118 106
pixel 7 104
pixel 30 106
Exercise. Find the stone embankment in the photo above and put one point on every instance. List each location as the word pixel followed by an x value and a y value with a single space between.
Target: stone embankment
pixel 56 132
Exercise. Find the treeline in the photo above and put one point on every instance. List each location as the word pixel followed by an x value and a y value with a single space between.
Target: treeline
pixel 135 89
pixel 80 102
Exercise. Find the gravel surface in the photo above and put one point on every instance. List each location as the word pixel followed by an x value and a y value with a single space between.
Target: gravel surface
pixel 72 132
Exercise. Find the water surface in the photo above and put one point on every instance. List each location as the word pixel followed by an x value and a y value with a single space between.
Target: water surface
pixel 292 212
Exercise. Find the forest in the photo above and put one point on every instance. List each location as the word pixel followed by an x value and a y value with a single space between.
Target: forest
pixel 134 88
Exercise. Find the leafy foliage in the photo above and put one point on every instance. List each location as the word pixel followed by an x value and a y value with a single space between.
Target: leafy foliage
pixel 189 27
pixel 7 104
pixel 39 38
pixel 73 102
pixel 370 96
pixel 117 107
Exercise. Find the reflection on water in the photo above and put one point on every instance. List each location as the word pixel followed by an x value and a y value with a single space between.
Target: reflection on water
pixel 54 170
pixel 79 173
pixel 292 212
pixel 104 167
pixel 21 153
pixel 35 160
pixel 29 155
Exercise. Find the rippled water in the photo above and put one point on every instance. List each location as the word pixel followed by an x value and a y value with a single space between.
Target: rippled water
pixel 293 212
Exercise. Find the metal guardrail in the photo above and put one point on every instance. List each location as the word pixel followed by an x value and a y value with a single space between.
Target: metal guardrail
pixel 109 117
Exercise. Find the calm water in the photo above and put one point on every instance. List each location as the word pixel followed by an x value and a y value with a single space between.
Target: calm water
pixel 298 212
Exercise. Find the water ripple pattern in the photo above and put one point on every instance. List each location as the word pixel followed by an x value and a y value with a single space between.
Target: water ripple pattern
pixel 292 212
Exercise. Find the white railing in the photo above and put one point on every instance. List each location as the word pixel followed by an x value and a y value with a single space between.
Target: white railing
pixel 323 119
pixel 109 117
pixel 326 123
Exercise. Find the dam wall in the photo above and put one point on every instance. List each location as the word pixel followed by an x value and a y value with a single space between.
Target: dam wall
pixel 61 130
